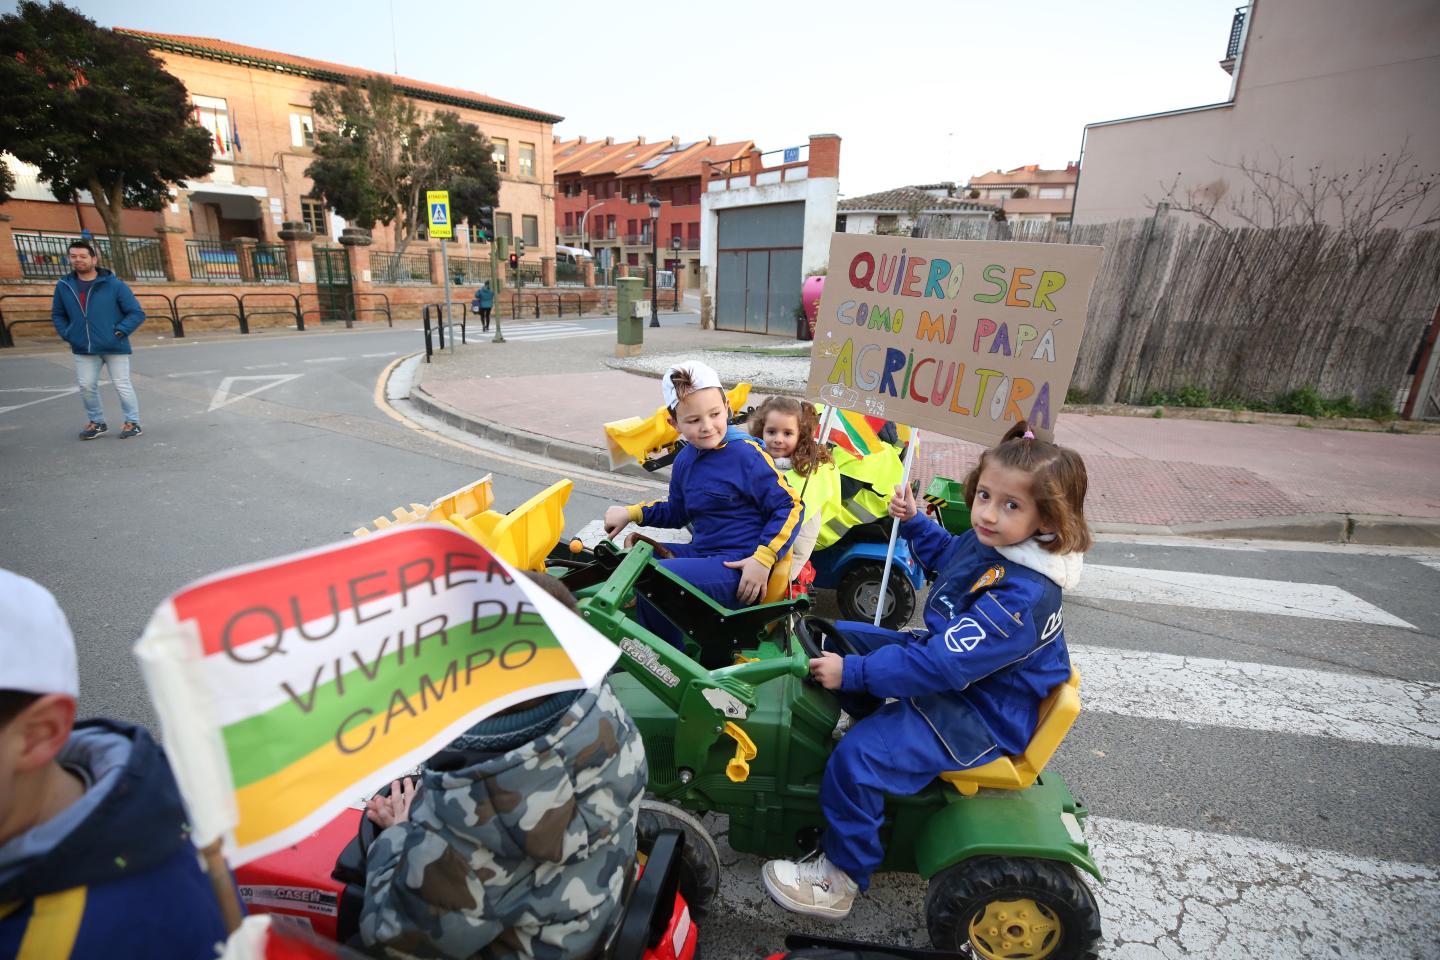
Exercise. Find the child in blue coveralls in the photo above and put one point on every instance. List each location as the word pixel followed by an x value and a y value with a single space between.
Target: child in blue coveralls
pixel 742 514
pixel 967 688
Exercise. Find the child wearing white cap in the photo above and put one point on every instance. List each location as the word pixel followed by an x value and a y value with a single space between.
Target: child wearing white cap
pixel 95 855
pixel 742 514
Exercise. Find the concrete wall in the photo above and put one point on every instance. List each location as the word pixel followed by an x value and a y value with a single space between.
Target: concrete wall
pixel 1329 82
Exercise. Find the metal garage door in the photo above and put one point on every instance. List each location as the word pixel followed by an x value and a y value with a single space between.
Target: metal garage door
pixel 757 284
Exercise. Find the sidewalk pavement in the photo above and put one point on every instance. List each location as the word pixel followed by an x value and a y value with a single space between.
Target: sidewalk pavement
pixel 1147 475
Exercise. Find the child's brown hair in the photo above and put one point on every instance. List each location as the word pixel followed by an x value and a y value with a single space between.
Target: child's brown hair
pixel 1058 483
pixel 809 452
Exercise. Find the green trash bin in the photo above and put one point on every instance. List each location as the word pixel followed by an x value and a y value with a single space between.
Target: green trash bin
pixel 945 499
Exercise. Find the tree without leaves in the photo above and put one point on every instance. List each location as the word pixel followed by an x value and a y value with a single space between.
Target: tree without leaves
pixel 376 155
pixel 1391 192
pixel 93 110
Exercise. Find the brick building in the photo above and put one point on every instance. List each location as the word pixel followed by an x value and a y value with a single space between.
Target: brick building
pixel 226 227
pixel 602 193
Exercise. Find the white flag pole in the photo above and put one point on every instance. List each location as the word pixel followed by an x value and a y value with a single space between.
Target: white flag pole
pixel 895 529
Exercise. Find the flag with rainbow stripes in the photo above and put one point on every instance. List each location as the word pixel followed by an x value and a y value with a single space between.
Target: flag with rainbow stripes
pixel 291 688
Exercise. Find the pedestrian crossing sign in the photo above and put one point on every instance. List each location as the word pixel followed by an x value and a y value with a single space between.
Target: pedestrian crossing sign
pixel 439 203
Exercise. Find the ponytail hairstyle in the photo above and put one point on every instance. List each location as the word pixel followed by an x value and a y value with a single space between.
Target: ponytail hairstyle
pixel 1058 483
pixel 809 453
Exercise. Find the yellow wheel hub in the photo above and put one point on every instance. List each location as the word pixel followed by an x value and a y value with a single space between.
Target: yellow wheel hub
pixel 1015 930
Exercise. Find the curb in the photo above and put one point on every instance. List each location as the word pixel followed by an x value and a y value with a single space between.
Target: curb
pixel 1211 414
pixel 1339 528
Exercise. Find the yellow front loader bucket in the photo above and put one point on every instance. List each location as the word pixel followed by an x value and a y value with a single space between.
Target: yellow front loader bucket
pixel 634 438
pixel 522 538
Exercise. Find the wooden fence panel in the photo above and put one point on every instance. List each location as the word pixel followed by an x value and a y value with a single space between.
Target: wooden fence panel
pixel 1242 314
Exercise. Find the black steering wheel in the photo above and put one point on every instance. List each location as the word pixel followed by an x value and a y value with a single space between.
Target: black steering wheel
pixel 815 633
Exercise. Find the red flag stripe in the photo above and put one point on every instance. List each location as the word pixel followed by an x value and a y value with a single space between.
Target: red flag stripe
pixel 318 587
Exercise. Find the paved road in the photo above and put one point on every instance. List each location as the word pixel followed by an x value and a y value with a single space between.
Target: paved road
pixel 253 447
pixel 1259 738
pixel 1258 746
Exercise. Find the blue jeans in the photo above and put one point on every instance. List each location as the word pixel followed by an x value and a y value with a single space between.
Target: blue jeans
pixel 87 373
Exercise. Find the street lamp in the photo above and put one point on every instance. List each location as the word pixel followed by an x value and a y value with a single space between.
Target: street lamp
pixel 654 259
pixel 675 247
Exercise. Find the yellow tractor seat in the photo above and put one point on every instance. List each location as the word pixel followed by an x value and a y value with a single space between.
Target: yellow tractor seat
pixel 1057 715
pixel 778 586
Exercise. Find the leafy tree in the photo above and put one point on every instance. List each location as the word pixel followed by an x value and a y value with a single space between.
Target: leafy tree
pixel 94 111
pixel 376 154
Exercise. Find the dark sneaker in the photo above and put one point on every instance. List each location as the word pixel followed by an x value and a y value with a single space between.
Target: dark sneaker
pixel 92 430
pixel 131 429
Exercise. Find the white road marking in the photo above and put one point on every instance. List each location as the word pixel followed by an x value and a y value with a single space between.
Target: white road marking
pixel 224 398
pixel 191 373
pixel 1319 601
pixel 267 366
pixel 372 356
pixel 559 336
pixel 324 359
pixel 53 392
pixel 1258 696
pixel 1172 893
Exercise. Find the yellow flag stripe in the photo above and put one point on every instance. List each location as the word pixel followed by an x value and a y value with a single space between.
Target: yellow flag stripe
pixel 54 925
pixel 287 796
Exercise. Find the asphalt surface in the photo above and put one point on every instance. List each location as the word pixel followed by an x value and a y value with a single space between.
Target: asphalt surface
pixel 1222 833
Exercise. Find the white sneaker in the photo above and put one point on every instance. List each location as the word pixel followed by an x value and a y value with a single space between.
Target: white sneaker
pixel 815 887
pixel 843 725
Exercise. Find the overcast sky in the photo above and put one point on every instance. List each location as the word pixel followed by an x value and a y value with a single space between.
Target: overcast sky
pixel 919 90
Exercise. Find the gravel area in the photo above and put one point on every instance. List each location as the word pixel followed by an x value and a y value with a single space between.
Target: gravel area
pixel 766 373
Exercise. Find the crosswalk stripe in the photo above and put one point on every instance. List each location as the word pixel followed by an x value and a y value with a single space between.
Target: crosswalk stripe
pixel 1170 892
pixel 557 336
pixel 1258 696
pixel 1319 601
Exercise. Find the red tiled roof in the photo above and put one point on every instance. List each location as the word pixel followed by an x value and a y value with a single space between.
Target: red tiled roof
pixel 211 48
pixel 1025 175
pixel 694 164
pixel 908 198
pixel 613 159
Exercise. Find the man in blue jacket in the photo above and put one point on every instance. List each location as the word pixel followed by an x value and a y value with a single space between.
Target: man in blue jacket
pixel 95 854
pixel 95 312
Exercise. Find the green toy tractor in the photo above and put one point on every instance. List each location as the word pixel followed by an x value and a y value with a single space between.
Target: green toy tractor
pixel 735 726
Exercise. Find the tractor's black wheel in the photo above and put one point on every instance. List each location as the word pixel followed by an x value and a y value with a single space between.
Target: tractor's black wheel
pixel 1017 908
pixel 859 590
pixel 700 861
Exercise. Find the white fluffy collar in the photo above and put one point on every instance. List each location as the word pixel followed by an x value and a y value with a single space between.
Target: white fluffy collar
pixel 1063 568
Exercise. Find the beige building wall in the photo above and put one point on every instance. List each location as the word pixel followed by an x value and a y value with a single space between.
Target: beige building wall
pixel 1330 82
pixel 260 103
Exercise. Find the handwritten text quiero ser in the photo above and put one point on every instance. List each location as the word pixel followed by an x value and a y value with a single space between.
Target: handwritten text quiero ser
pixel 961 337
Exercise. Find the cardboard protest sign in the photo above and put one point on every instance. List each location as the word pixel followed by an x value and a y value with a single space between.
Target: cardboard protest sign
pixel 962 337
pixel 286 688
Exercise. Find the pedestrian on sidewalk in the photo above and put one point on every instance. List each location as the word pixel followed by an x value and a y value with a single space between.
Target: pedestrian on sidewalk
pixel 482 304
pixel 95 312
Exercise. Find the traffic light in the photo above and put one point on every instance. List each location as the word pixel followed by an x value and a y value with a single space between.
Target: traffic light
pixel 484 225
pixel 514 261
pixel 520 246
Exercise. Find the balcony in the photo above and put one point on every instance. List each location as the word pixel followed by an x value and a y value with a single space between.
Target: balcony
pixel 636 240
pixel 1237 37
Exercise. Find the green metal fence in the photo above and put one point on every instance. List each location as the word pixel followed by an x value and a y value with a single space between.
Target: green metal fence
pixel 469 271
pixel 400 268
pixel 225 261
pixel 45 256
pixel 569 274
pixel 530 274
